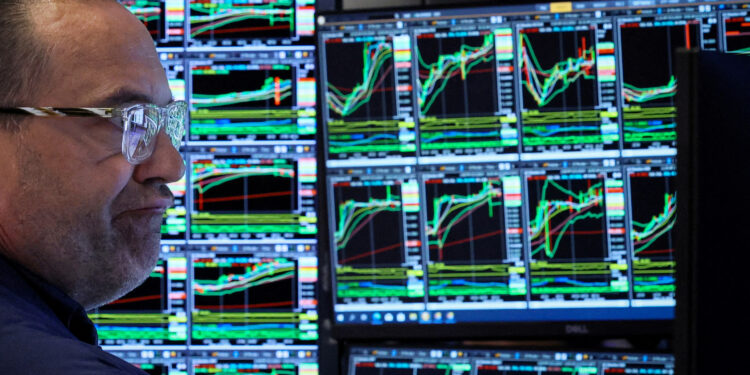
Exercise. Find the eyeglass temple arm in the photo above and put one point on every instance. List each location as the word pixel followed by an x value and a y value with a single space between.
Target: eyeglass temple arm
pixel 60 112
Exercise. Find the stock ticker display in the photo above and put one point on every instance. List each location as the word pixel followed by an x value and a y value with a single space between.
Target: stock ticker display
pixel 439 361
pixel 234 290
pixel 507 164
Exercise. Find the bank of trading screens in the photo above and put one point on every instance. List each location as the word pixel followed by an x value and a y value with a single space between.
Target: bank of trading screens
pixel 234 290
pixel 507 164
pixel 438 361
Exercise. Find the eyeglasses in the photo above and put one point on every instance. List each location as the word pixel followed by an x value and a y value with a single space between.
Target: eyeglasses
pixel 140 123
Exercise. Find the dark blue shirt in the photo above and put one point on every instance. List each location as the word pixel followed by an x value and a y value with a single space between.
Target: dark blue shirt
pixel 43 331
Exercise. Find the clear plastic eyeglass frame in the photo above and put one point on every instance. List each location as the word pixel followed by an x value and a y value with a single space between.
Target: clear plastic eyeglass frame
pixel 140 123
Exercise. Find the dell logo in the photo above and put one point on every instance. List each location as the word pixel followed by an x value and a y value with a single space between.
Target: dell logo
pixel 576 329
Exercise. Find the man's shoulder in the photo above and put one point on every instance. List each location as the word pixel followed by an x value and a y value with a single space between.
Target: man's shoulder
pixel 33 342
pixel 28 348
pixel 36 352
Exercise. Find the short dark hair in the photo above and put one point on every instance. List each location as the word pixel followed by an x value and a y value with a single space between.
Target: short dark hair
pixel 23 58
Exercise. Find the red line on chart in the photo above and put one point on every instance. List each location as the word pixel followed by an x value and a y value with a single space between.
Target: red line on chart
pixel 377 251
pixel 136 299
pixel 242 197
pixel 479 237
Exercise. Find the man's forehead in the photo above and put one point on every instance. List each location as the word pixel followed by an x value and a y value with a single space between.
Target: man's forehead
pixel 100 55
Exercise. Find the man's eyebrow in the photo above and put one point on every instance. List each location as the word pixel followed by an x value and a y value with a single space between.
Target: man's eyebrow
pixel 122 96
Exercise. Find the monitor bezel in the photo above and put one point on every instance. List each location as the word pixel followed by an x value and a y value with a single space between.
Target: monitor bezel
pixel 662 328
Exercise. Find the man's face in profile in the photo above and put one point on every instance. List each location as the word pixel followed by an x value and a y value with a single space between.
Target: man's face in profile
pixel 74 210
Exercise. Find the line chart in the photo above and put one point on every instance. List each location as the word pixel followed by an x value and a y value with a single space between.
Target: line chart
pixel 466 219
pixel 353 88
pixel 566 221
pixel 466 133
pixel 647 56
pixel 575 235
pixel 243 299
pixel 645 234
pixel 236 285
pixel 567 80
pixel 470 222
pixel 649 85
pixel 273 89
pixel 236 195
pixel 653 211
pixel 549 87
pixel 365 219
pixel 455 74
pixel 237 99
pixel 212 19
pixel 634 94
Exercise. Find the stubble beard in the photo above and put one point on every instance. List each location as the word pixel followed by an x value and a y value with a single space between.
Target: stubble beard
pixel 75 244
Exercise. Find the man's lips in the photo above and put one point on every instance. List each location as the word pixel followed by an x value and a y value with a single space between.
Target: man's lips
pixel 155 207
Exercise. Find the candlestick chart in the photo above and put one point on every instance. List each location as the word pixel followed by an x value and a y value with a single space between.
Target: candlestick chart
pixel 234 100
pixel 369 241
pixel 152 313
pixel 653 211
pixel 221 20
pixel 558 73
pixel 246 300
pixel 361 97
pixel 245 196
pixel 649 83
pixel 465 231
pixel 567 235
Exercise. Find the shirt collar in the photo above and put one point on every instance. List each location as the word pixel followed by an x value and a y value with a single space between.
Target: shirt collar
pixel 70 313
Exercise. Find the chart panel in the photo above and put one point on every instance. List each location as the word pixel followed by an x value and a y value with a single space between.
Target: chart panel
pixel 153 314
pixel 736 31
pixel 466 102
pixel 253 195
pixel 474 237
pixel 252 299
pixel 367 87
pixel 566 71
pixel 377 254
pixel 248 97
pixel 576 237
pixel 164 19
pixel 653 207
pixel 649 86
pixel 239 23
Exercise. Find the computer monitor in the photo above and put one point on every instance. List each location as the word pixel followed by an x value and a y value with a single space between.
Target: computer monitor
pixel 711 230
pixel 384 360
pixel 505 170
